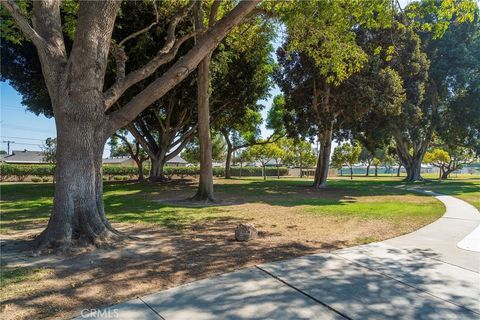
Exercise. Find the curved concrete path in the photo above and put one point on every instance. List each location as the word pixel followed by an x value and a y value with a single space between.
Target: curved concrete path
pixel 421 275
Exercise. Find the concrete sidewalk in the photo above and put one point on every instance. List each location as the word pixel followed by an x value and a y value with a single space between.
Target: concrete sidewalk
pixel 422 275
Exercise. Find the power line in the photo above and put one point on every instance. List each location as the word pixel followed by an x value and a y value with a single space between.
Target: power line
pixel 27 144
pixel 12 126
pixel 10 137
pixel 21 138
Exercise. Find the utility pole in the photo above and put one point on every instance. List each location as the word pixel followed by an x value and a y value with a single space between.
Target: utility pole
pixel 8 145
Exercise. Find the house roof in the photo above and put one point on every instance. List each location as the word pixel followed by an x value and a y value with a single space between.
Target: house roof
pixel 25 156
pixel 116 160
pixel 177 159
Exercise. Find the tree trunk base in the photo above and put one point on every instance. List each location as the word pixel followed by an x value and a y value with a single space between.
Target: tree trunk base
pixel 320 186
pixel 47 242
pixel 161 179
pixel 200 198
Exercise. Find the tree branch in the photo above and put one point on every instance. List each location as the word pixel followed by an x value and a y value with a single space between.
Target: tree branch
pixel 164 55
pixel 182 68
pixel 186 140
pixel 24 25
pixel 138 136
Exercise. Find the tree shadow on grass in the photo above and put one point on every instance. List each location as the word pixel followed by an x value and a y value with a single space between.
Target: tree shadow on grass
pixel 164 258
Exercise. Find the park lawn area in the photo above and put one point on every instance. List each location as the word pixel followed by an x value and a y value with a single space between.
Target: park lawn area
pixel 183 241
pixel 465 189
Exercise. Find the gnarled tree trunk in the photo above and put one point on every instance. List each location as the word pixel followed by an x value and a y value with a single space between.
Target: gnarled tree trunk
pixel 412 162
pixel 321 172
pixel 157 172
pixel 78 216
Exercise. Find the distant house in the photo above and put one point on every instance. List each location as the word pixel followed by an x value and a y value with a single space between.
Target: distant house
pixel 119 161
pixel 176 161
pixel 25 157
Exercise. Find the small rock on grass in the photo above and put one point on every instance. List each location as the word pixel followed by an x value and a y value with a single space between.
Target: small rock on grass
pixel 245 232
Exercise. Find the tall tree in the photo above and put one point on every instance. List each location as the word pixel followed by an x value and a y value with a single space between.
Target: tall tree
pixel 166 127
pixel 346 154
pixel 82 106
pixel 320 54
pixel 264 153
pixel 431 90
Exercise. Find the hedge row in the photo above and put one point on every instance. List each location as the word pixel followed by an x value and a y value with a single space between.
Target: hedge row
pixel 20 172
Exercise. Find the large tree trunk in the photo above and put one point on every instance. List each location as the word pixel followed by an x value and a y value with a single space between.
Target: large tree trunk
pixel 446 173
pixel 321 172
pixel 398 169
pixel 264 172
pixel 351 173
pixel 205 185
pixel 157 173
pixel 376 171
pixel 411 162
pixel 368 169
pixel 78 216
pixel 414 171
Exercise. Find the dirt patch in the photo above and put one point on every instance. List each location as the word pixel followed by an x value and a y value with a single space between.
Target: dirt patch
pixel 164 258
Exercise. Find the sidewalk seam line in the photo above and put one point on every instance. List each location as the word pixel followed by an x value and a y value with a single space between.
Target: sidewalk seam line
pixel 407 284
pixel 304 293
pixel 154 311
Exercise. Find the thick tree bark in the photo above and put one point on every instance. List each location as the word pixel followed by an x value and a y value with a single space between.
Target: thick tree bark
pixel 411 162
pixel 78 216
pixel 398 169
pixel 264 171
pixel 321 172
pixel 157 173
pixel 351 173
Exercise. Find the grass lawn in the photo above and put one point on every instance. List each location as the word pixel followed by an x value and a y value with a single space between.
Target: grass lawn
pixel 182 242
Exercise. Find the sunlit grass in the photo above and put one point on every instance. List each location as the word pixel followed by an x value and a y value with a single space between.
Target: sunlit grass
pixel 25 205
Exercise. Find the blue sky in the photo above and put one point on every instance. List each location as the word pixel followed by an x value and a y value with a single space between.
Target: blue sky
pixel 16 124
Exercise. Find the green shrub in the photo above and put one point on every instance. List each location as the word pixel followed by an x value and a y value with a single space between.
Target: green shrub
pixel 20 172
pixel 45 179
pixel 250 171
pixel 36 179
